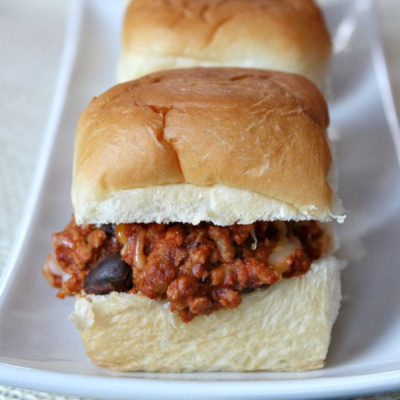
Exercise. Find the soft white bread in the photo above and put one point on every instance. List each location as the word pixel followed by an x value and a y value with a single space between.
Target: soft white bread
pixel 223 145
pixel 284 328
pixel 285 35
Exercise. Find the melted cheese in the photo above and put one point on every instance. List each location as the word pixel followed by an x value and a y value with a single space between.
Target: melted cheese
pixel 52 270
pixel 140 259
pixel 280 258
pixel 120 233
pixel 255 243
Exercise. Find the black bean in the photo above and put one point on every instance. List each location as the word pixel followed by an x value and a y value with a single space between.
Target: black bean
pixel 112 274
pixel 108 228
pixel 247 290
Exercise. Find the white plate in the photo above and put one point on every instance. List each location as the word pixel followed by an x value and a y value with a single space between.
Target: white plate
pixel 40 349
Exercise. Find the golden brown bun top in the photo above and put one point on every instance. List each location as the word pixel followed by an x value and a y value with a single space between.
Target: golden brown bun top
pixel 285 35
pixel 261 132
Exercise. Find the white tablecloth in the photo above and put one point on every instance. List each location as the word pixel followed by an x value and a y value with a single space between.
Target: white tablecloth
pixel 31 40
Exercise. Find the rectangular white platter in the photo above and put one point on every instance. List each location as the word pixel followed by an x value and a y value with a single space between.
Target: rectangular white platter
pixel 40 349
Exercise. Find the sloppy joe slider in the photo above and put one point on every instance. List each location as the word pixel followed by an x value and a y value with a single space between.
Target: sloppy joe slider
pixel 200 238
pixel 284 35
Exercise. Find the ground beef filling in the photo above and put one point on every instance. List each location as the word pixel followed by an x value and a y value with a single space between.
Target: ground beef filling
pixel 200 269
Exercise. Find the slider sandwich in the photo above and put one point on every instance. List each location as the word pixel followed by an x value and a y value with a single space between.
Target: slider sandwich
pixel 201 237
pixel 284 35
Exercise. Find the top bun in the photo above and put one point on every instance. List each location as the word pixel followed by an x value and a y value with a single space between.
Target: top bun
pixel 284 35
pixel 223 145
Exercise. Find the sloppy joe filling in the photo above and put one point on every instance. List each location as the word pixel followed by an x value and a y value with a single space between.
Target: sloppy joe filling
pixel 198 268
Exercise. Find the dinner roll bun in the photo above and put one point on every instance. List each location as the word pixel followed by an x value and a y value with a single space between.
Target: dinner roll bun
pixel 223 145
pixel 286 35
pixel 286 327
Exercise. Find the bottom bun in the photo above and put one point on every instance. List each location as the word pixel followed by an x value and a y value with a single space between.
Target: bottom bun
pixel 286 327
